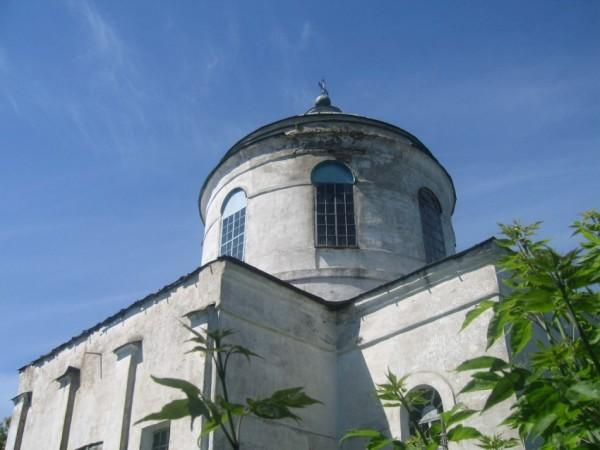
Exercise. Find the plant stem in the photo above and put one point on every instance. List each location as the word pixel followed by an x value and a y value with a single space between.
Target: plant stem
pixel 222 375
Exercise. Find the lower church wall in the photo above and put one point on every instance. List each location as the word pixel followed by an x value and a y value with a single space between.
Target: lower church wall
pixel 413 330
pixel 116 358
pixel 338 353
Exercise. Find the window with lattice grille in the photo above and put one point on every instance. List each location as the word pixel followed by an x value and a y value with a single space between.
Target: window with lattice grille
pixel 160 439
pixel 431 225
pixel 233 225
pixel 335 225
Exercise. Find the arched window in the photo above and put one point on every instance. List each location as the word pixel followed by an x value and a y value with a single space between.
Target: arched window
pixel 431 224
pixel 334 205
pixel 233 224
pixel 425 410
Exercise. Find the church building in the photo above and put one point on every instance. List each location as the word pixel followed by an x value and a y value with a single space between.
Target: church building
pixel 329 249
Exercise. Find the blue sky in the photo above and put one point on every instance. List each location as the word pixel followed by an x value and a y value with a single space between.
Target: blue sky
pixel 112 113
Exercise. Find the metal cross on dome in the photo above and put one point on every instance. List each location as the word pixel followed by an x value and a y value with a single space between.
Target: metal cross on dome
pixel 323 88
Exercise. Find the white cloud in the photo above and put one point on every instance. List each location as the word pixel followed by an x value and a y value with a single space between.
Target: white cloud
pixel 306 35
pixel 104 35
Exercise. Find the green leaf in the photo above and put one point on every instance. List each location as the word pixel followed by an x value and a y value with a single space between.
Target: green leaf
pixel 496 325
pixel 457 416
pixel 379 444
pixel 177 409
pixel 478 384
pixel 234 409
pixel 584 391
pixel 176 383
pixel 196 404
pixel 520 335
pixel 503 390
pixel 211 425
pixel 278 405
pixel 543 423
pixel 483 362
pixel 361 433
pixel 536 301
pixel 476 312
pixel 461 433
pixel 294 397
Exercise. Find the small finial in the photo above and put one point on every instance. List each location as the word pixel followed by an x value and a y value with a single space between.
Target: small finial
pixel 323 102
pixel 322 85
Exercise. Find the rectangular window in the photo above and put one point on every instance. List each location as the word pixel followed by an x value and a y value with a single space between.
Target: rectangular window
pixel 232 234
pixel 160 439
pixel 334 215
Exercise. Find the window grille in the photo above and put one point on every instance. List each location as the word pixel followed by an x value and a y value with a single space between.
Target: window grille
pixel 334 205
pixel 233 225
pixel 160 439
pixel 431 224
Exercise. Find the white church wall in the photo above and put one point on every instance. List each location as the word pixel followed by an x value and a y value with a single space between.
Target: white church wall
pixel 412 328
pixel 99 402
pixel 296 337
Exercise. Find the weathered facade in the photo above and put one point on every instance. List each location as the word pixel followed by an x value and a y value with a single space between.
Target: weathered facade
pixel 329 248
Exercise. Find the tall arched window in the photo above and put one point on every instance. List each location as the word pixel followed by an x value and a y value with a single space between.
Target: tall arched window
pixel 334 205
pixel 431 224
pixel 233 224
pixel 425 411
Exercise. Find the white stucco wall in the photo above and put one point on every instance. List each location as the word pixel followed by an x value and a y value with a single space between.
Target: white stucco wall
pixel 412 328
pixel 98 407
pixel 336 352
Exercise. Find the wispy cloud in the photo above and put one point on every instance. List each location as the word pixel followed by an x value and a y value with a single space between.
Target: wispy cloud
pixel 104 36
pixel 306 35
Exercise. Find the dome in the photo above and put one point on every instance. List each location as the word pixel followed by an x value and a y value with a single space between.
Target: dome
pixel 380 181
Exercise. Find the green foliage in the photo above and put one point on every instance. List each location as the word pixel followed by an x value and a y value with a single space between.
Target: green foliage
pixel 392 394
pixel 220 412
pixel 4 432
pixel 497 442
pixel 552 310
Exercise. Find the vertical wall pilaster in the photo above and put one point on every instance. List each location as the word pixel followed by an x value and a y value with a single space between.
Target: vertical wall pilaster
pixel 17 428
pixel 207 319
pixel 70 380
pixel 131 353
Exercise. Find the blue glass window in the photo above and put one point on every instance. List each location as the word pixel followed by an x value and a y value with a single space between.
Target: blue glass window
pixel 334 205
pixel 233 225
pixel 431 224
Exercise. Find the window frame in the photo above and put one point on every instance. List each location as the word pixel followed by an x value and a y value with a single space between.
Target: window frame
pixel 418 413
pixel 432 228
pixel 148 433
pixel 348 188
pixel 243 212
pixel 161 446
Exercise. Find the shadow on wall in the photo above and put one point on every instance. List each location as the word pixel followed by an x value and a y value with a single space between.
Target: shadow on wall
pixel 358 405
